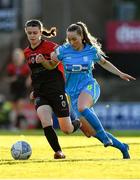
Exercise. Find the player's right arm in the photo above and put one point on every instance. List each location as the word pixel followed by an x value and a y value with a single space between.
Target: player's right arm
pixel 58 54
pixel 48 64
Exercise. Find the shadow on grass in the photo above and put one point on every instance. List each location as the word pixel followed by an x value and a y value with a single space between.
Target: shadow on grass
pixel 94 145
pixel 15 162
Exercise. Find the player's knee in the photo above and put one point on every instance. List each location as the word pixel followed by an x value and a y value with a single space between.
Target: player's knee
pixel 66 131
pixel 81 108
pixel 46 123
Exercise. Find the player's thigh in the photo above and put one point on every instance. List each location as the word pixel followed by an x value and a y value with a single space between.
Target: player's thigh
pixel 89 95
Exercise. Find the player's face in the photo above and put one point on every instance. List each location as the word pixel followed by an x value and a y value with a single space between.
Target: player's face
pixel 75 40
pixel 33 35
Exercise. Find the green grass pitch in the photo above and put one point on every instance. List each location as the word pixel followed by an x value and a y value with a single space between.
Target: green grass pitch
pixel 86 158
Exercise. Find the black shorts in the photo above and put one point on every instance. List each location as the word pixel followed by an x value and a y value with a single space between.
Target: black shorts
pixel 54 97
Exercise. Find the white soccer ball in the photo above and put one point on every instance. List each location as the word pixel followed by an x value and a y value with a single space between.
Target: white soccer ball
pixel 21 150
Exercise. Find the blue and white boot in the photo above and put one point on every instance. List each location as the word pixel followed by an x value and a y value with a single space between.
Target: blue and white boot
pixel 125 152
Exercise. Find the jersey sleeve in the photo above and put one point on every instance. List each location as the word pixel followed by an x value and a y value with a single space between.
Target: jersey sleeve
pixel 97 56
pixel 60 52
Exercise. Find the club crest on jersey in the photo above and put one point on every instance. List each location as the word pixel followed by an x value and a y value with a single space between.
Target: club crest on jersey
pixel 85 58
pixel 32 58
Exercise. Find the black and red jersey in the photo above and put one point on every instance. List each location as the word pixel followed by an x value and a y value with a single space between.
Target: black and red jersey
pixel 39 73
pixel 45 48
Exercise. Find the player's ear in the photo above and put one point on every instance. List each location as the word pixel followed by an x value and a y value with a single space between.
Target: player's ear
pixel 25 30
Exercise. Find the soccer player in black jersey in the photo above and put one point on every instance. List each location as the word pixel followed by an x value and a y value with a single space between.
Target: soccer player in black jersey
pixel 48 85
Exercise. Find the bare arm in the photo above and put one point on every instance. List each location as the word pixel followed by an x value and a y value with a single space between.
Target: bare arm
pixel 48 64
pixel 111 68
pixel 54 57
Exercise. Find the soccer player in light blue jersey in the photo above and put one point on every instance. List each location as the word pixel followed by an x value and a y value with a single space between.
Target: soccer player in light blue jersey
pixel 78 56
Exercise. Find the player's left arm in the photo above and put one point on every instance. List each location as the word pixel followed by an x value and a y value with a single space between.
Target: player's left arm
pixel 113 69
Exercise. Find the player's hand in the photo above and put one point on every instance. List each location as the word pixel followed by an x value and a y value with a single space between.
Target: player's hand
pixel 40 58
pixel 126 77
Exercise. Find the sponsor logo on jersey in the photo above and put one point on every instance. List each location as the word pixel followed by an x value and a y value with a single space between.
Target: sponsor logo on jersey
pixel 76 67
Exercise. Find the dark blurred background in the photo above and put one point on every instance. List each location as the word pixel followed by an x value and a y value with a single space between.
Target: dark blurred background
pixel 116 24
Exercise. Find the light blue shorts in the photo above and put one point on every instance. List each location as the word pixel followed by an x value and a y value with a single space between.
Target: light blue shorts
pixel 93 89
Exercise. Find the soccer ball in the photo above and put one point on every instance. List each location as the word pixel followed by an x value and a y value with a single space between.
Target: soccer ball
pixel 21 150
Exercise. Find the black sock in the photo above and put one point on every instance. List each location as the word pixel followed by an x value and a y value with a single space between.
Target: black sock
pixel 52 138
pixel 76 124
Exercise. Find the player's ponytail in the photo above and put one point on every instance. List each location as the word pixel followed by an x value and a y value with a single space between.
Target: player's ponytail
pixel 50 33
pixel 88 38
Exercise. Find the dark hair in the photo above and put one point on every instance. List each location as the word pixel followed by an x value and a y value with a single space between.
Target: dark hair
pixel 82 29
pixel 36 23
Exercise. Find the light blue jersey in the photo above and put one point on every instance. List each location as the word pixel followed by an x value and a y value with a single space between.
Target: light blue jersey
pixel 78 71
pixel 77 66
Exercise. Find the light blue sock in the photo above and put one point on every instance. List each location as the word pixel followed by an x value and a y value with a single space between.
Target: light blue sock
pixel 92 118
pixel 116 143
